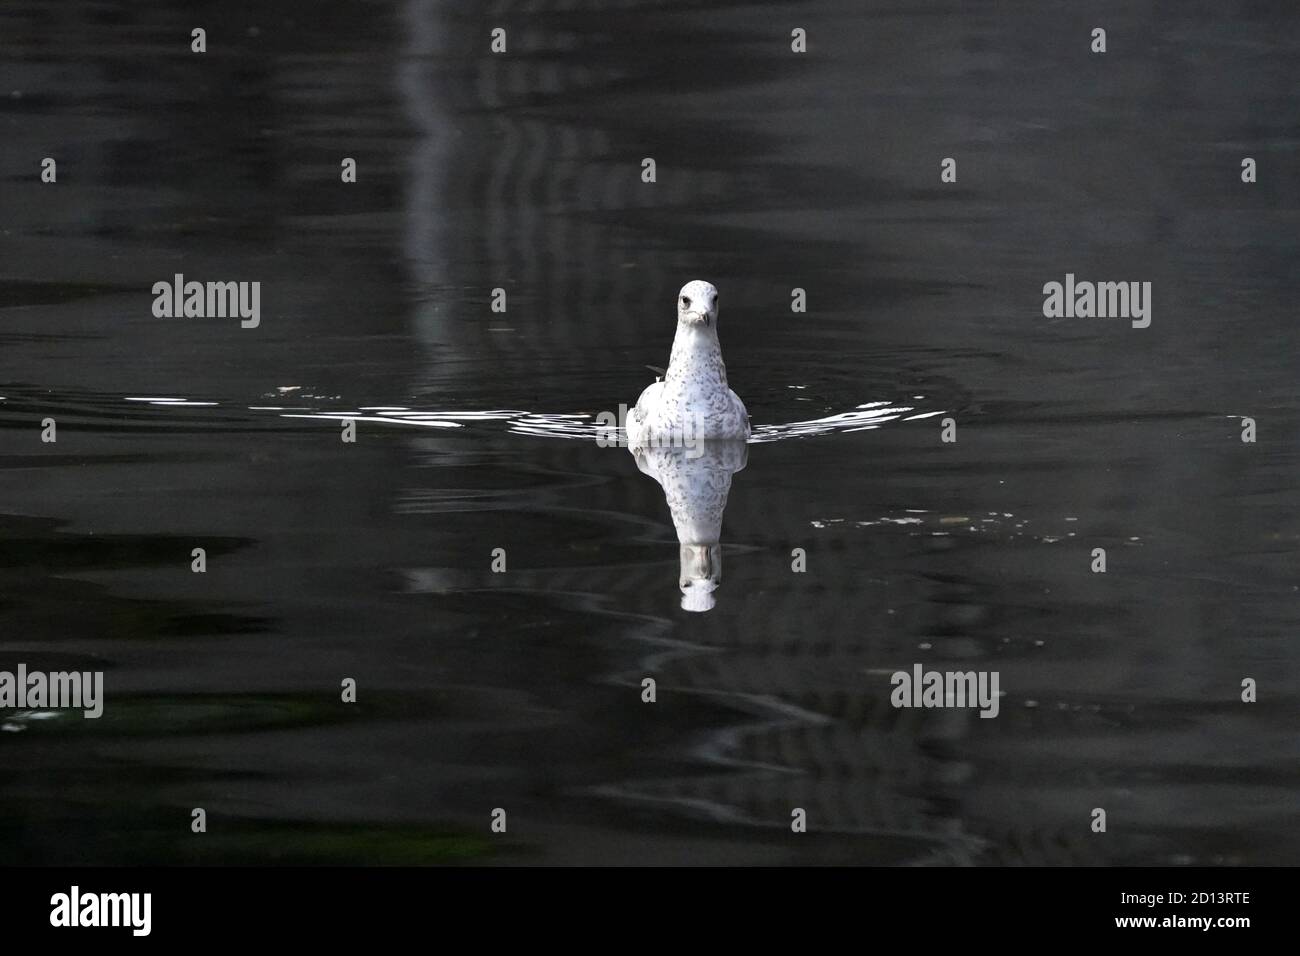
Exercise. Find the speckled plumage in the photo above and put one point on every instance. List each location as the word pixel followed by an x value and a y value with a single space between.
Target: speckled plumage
pixel 696 482
pixel 693 402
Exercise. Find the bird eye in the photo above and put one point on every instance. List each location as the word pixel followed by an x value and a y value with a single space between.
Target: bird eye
pixel 686 301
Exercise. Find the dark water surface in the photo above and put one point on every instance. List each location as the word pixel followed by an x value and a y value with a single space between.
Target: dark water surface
pixel 521 690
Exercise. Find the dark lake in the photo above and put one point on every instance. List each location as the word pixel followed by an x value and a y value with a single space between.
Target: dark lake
pixel 521 689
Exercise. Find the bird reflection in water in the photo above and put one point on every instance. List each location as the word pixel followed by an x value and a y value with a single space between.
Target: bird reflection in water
pixel 696 480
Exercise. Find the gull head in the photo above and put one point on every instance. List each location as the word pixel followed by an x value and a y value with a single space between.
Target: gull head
pixel 697 304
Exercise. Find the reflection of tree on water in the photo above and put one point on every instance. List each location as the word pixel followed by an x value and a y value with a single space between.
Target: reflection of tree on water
pixel 696 481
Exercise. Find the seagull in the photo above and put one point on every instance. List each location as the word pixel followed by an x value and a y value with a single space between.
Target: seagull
pixel 692 402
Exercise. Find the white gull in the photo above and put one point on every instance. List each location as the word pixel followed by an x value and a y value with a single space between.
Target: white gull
pixel 693 401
